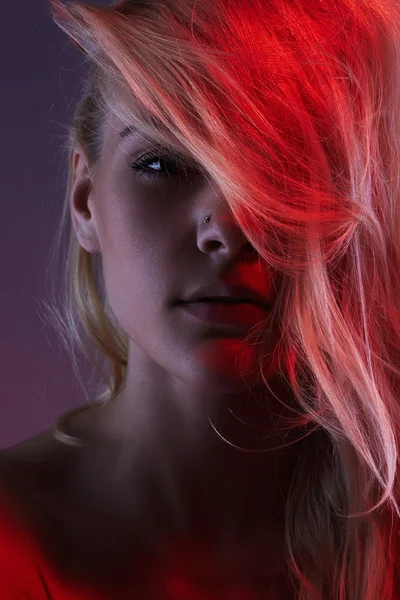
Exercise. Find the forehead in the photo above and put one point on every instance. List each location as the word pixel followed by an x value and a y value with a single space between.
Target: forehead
pixel 126 114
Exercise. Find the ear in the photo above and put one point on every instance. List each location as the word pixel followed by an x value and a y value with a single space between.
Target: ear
pixel 81 194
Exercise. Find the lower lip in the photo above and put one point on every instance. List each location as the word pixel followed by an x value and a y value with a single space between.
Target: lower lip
pixel 225 313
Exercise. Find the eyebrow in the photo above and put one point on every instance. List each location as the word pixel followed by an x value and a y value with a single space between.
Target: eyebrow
pixel 131 129
pixel 127 131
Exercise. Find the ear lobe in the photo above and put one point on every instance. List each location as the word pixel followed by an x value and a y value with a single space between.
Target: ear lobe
pixel 81 215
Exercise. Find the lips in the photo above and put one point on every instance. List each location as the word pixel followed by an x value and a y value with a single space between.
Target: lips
pixel 223 300
pixel 219 292
pixel 225 313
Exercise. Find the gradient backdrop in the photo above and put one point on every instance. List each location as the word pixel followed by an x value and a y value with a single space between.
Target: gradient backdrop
pixel 40 72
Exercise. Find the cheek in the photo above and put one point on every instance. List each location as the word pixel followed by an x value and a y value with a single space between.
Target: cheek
pixel 135 231
pixel 135 282
pixel 129 282
pixel 135 258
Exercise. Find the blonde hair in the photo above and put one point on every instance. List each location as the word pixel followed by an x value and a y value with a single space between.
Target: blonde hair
pixel 293 108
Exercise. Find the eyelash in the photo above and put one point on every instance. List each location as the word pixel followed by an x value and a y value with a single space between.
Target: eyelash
pixel 140 165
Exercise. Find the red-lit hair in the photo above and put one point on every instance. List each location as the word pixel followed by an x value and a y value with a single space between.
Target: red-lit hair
pixel 292 107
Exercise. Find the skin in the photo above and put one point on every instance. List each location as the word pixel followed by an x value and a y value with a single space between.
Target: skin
pixel 159 456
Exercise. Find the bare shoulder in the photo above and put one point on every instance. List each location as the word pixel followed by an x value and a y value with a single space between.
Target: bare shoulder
pixel 40 478
pixel 36 486
pixel 32 459
pixel 41 462
pixel 34 477
pixel 29 449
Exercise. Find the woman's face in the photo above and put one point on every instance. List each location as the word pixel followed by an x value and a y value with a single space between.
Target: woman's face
pixel 156 250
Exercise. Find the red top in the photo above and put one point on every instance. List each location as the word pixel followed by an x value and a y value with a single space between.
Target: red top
pixel 183 574
pixel 24 572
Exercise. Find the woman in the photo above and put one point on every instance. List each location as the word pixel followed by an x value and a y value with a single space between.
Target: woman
pixel 234 252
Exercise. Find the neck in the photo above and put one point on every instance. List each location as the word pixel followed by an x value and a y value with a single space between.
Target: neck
pixel 192 483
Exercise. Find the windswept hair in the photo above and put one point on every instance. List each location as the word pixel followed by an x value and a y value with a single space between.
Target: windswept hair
pixel 292 107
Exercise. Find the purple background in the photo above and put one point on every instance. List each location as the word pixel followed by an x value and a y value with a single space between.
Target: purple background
pixel 41 72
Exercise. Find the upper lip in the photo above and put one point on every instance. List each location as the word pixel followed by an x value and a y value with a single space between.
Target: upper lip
pixel 221 290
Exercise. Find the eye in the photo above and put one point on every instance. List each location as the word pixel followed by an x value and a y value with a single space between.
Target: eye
pixel 154 165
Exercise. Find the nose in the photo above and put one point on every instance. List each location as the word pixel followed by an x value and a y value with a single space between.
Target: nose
pixel 222 235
